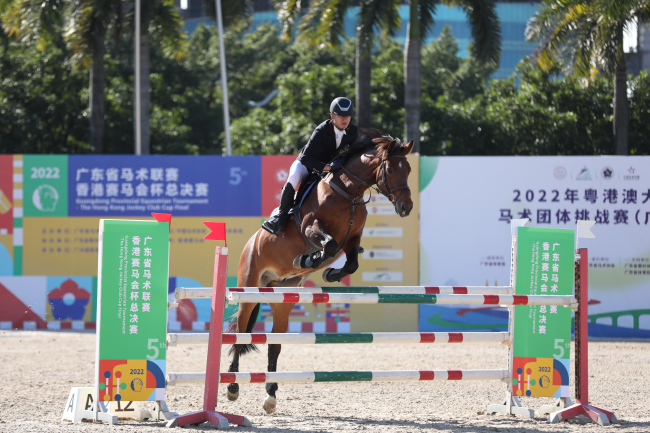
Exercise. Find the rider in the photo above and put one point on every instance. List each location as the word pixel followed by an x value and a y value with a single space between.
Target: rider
pixel 326 142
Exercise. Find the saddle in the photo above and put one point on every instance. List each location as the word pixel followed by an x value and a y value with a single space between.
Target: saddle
pixel 303 191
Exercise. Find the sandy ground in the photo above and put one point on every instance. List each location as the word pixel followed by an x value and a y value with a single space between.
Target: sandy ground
pixel 37 369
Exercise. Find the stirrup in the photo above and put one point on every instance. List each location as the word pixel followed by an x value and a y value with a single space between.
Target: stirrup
pixel 275 225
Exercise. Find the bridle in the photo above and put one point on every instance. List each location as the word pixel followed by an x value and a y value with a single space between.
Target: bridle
pixel 389 192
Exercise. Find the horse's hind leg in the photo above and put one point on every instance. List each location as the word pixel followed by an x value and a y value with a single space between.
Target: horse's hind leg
pixel 351 263
pixel 280 326
pixel 246 317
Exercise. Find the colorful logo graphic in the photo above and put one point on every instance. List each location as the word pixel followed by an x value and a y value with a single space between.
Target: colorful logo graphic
pixel 45 198
pixel 583 174
pixel 131 380
pixel 608 173
pixel 631 174
pixel 540 377
pixel 68 301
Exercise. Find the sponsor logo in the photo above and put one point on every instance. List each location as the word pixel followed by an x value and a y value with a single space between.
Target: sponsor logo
pixel 631 174
pixel 45 198
pixel 282 175
pixel 383 255
pixel 382 276
pixel 377 199
pixel 383 232
pixel 583 174
pixel 544 381
pixel 607 173
pixel 381 210
pixel 559 173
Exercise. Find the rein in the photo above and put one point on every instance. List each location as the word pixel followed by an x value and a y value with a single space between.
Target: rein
pixel 358 200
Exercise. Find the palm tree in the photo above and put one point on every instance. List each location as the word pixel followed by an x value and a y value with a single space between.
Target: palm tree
pixel 324 23
pixel 588 36
pixel 85 33
pixel 486 33
pixel 161 20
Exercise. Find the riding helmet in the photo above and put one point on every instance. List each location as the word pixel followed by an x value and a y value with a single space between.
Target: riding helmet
pixel 342 107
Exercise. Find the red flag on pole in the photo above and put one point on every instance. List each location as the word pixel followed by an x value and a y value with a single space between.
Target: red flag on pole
pixel 163 218
pixel 217 233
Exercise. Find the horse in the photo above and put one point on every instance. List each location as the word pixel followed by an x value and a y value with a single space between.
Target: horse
pixel 334 218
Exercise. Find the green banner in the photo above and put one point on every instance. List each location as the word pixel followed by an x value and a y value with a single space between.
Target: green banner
pixel 542 333
pixel 45 185
pixel 132 310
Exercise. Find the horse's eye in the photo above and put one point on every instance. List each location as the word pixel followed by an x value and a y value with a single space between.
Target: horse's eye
pixel 390 171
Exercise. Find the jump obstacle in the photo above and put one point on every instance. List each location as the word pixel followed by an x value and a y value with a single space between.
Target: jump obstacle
pixel 564 408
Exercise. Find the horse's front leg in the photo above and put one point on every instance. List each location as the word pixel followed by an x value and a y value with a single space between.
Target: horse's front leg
pixel 317 232
pixel 280 326
pixel 351 249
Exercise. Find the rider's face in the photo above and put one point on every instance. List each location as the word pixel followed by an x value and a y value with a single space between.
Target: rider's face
pixel 341 122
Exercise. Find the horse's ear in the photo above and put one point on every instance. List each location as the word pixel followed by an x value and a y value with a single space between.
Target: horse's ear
pixel 390 148
pixel 408 148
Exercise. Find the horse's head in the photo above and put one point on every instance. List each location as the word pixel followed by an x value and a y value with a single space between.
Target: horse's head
pixel 393 173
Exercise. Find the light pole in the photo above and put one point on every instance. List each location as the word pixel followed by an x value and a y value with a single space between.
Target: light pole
pixel 136 78
pixel 224 79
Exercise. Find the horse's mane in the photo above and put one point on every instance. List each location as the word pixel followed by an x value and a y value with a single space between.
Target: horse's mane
pixel 371 138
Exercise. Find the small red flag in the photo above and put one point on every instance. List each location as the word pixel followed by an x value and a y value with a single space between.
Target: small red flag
pixel 217 233
pixel 163 218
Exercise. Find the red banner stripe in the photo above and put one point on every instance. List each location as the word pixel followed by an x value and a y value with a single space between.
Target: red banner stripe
pixel 454 375
pixel 291 298
pixel 491 299
pixel 236 289
pixel 426 375
pixel 520 300
pixel 258 338
pixel 433 290
pixel 258 377
pixel 228 377
pixel 458 290
pixel 229 339
pixel 455 337
pixel 427 337
pixel 321 298
pixel 266 289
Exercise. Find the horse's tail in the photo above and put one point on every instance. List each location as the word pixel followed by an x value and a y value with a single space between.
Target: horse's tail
pixel 245 348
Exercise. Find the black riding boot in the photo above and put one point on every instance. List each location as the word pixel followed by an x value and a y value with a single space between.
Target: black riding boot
pixel 275 224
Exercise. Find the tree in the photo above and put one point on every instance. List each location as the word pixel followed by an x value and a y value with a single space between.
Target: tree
pixel 85 24
pixel 587 35
pixel 324 24
pixel 486 33
pixel 159 19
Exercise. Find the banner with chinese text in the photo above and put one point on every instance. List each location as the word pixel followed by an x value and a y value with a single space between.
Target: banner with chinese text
pixel 467 205
pixel 542 333
pixel 132 310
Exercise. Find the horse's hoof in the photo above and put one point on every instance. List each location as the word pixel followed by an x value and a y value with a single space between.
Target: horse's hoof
pixel 232 396
pixel 269 404
pixel 327 275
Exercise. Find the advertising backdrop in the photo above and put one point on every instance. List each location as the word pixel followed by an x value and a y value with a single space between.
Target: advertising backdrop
pixel 467 204
pixel 54 242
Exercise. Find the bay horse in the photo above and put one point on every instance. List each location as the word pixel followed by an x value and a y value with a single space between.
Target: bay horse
pixel 333 217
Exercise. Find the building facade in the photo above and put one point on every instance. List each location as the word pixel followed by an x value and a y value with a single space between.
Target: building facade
pixel 513 15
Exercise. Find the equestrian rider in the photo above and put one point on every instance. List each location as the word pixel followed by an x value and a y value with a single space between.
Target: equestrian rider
pixel 326 142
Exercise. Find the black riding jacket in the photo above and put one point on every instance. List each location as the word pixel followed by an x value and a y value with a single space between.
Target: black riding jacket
pixel 321 147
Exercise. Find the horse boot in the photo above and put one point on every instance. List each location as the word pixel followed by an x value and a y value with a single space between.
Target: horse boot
pixel 276 223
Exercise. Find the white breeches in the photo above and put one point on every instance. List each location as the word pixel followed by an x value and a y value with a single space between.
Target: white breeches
pixel 297 173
